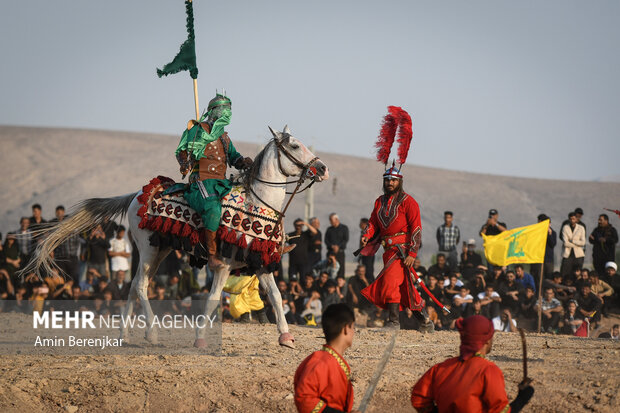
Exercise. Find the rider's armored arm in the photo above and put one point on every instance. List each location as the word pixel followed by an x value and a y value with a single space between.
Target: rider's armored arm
pixel 414 226
pixel 184 163
pixel 236 159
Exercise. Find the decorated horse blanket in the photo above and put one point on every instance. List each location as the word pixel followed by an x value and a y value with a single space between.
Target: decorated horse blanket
pixel 253 229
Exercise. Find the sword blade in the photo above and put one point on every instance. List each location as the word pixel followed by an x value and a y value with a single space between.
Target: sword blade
pixel 378 372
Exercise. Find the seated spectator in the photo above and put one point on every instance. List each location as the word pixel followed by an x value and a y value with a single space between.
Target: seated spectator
pixel 470 260
pixel 614 333
pixel 330 296
pixel 419 269
pixel 7 292
pixel 613 279
pixel 489 301
pixel 572 319
pixel 446 319
pixel 313 308
pixel 436 290
pixel 287 303
pixel 89 285
pixel 582 276
pixel 602 290
pixel 477 283
pixel 474 309
pixel 341 288
pixel 510 291
pixel 321 284
pixel 453 288
pixel 329 265
pixel 297 295
pixel 505 322
pixel 172 287
pixel 119 288
pixel 589 303
pixel 408 321
pixel 462 299
pixel 441 268
pixel 12 258
pixel 103 283
pixel 496 276
pixel 357 283
pixel 561 291
pixel 523 278
pixel 551 311
pixel 527 302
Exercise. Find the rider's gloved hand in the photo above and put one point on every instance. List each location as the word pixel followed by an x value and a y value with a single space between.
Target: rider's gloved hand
pixel 243 163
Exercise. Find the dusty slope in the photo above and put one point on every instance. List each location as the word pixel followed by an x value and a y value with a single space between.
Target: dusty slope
pixel 53 166
pixel 254 374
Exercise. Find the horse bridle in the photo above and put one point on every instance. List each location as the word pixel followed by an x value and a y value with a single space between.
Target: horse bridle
pixel 307 171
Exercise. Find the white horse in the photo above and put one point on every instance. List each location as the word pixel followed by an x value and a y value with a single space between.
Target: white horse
pixel 284 156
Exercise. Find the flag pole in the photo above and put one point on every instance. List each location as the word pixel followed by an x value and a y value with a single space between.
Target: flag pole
pixel 540 297
pixel 196 95
pixel 196 100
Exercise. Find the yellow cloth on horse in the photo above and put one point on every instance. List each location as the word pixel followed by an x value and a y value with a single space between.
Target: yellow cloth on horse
pixel 244 295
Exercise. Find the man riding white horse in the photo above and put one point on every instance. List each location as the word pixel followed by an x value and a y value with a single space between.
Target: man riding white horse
pixel 203 152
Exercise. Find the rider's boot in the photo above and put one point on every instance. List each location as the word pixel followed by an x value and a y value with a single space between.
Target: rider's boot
pixel 214 261
pixel 393 320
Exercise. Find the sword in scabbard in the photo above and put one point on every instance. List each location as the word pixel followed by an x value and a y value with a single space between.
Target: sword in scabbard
pixel 420 282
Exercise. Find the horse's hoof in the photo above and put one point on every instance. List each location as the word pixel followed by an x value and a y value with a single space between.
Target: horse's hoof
pixel 151 338
pixel 200 343
pixel 287 340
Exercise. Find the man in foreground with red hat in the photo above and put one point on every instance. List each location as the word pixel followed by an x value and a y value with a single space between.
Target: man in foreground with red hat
pixel 469 382
pixel 395 224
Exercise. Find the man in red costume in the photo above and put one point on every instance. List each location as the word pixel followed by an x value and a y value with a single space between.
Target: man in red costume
pixel 323 379
pixel 395 224
pixel 469 382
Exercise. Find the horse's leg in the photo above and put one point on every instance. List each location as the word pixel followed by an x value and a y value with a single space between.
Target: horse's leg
pixel 213 300
pixel 150 268
pixel 133 294
pixel 269 285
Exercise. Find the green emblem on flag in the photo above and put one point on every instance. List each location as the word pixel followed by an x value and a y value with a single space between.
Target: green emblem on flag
pixel 514 245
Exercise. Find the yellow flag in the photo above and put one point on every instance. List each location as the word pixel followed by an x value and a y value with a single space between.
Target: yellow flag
pixel 519 245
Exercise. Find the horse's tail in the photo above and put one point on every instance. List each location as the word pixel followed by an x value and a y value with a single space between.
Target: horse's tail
pixel 84 216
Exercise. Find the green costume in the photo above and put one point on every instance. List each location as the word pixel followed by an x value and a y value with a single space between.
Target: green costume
pixel 204 151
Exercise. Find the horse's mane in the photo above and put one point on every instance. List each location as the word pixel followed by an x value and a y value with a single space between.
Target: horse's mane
pixel 253 171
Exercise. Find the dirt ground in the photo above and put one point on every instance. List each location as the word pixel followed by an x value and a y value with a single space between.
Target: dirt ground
pixel 254 374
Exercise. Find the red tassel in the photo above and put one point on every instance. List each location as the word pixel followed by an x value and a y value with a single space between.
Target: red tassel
pixel 142 210
pixel 275 257
pixel 176 228
pixel 144 222
pixel 156 225
pixel 231 237
pixel 221 232
pixel 167 225
pixel 241 242
pixel 194 238
pixel 187 230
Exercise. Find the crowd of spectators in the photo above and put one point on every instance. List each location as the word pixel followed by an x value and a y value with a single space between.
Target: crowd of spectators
pixel 98 265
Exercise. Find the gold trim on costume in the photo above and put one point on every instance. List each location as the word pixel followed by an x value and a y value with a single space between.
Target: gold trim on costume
pixel 340 361
pixel 318 406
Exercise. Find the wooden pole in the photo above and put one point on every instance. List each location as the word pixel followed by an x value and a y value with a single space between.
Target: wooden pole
pixel 540 297
pixel 196 99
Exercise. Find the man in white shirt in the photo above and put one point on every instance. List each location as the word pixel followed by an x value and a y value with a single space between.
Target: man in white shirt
pixel 119 251
pixel 462 299
pixel 489 299
pixel 574 237
pixel 505 322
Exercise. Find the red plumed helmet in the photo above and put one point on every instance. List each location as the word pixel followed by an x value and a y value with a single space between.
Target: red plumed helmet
pixel 397 121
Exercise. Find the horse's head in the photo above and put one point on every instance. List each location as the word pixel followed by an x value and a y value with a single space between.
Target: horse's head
pixel 295 158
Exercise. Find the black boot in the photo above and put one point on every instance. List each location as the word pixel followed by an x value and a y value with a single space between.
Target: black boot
pixel 244 318
pixel 393 316
pixel 261 316
pixel 426 325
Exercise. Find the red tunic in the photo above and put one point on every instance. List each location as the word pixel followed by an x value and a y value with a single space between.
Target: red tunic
pixel 474 385
pixel 397 220
pixel 323 379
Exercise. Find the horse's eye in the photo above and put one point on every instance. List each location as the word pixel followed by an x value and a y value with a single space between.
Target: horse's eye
pixel 294 146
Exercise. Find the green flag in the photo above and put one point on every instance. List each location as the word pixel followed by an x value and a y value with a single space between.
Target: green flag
pixel 186 59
